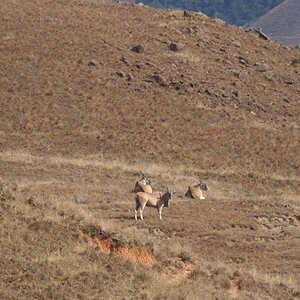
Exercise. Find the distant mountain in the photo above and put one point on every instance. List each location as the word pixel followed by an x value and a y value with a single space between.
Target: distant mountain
pixel 237 12
pixel 282 23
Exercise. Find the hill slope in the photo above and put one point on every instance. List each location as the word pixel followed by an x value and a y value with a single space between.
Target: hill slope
pixel 223 95
pixel 92 93
pixel 282 23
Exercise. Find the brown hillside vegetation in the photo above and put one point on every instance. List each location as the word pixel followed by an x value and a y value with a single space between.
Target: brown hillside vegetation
pixel 92 93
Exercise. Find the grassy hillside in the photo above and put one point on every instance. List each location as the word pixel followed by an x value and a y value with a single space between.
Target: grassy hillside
pixel 82 110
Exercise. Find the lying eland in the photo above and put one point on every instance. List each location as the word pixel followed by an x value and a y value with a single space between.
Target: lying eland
pixel 195 191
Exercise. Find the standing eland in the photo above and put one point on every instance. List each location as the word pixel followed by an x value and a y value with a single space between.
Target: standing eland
pixel 158 201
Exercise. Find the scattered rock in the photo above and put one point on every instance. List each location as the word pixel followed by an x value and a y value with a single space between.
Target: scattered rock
pixel 236 44
pixel 138 49
pixel 93 63
pixel 243 61
pixel 262 67
pixel 176 85
pixel 120 74
pixel 130 77
pixel 286 47
pixel 259 32
pixel 141 4
pixel 201 14
pixel 225 94
pixel 78 199
pixel 138 64
pixel 187 14
pixel 218 20
pixel 159 79
pixel 289 81
pixel 243 74
pixel 268 75
pixel 228 63
pixel 194 29
pixel 296 61
pixel 30 201
pixel 176 46
pixel 125 60
pixel 236 72
pixel 236 93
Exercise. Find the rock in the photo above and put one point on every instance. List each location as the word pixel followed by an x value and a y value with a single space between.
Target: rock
pixel 262 67
pixel 176 46
pixel 194 29
pixel 130 77
pixel 243 61
pixel 225 94
pixel 236 72
pixel 236 44
pixel 259 32
pixel 138 49
pixel 218 20
pixel 78 199
pixel 93 63
pixel 201 14
pixel 187 14
pixel 268 75
pixel 125 60
pixel 243 74
pixel 159 79
pixel 236 93
pixel 176 85
pixel 289 81
pixel 228 64
pixel 120 74
pixel 296 61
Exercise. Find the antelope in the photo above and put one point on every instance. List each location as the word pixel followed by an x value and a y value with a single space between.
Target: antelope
pixel 158 201
pixel 195 191
pixel 143 185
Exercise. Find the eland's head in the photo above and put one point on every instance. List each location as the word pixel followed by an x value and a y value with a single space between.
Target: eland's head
pixel 167 196
pixel 145 179
pixel 203 186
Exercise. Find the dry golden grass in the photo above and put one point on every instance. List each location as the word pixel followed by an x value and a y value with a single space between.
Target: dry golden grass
pixel 70 129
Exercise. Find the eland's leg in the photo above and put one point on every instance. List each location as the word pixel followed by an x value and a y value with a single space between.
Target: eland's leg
pixel 159 212
pixel 141 211
pixel 136 210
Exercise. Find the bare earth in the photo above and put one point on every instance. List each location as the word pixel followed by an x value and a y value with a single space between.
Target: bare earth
pixel 81 114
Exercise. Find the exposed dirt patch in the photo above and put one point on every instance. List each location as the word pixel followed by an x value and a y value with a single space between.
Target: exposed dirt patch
pixel 142 255
pixel 180 267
